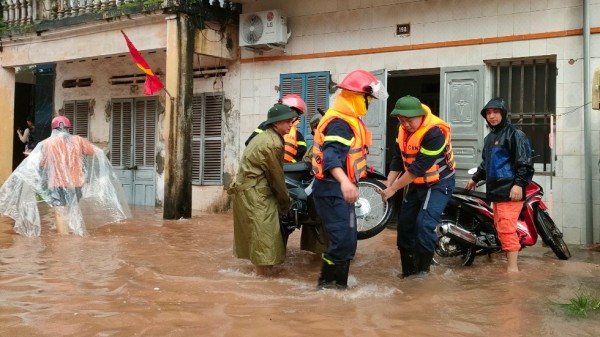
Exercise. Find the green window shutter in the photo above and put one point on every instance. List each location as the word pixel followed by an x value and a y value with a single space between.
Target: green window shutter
pixel 121 136
pixel 145 131
pixel 207 135
pixel 197 106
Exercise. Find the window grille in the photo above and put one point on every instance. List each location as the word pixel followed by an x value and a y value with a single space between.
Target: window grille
pixel 528 85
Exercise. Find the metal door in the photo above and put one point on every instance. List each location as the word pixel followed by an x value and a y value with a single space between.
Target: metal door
pixel 375 120
pixel 133 143
pixel 460 103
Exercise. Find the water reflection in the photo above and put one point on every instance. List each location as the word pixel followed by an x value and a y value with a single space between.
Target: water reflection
pixel 150 277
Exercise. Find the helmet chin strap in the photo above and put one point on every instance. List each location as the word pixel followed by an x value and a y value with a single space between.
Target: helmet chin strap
pixel 366 100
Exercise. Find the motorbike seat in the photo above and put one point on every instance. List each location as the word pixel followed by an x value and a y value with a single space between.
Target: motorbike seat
pixel 297 167
pixel 476 194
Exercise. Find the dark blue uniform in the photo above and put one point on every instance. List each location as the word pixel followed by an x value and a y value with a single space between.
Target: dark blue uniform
pixel 423 205
pixel 338 216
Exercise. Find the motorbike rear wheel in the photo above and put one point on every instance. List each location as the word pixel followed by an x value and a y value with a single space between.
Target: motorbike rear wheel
pixel 551 235
pixel 466 253
pixel 372 212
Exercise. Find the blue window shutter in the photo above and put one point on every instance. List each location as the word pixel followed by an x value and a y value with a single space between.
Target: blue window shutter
pixel 314 90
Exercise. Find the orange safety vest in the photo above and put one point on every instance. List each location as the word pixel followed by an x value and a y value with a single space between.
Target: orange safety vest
pixel 410 146
pixel 356 160
pixel 290 149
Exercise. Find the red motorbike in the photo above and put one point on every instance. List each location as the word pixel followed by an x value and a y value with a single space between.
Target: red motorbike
pixel 468 230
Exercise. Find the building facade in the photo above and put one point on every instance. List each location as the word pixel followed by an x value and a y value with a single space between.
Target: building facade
pixel 453 55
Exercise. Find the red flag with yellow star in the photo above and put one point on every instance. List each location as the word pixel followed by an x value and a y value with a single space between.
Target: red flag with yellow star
pixel 153 83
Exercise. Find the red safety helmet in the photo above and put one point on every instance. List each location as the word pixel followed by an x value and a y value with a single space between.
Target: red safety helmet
pixel 61 122
pixel 294 101
pixel 364 82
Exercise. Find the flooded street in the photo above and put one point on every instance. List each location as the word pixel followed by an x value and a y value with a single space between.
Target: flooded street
pixel 150 277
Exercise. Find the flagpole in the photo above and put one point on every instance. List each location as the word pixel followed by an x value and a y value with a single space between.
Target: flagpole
pixel 167 92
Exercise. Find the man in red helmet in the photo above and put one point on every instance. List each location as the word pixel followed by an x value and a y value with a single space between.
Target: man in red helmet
pixel 339 161
pixel 295 145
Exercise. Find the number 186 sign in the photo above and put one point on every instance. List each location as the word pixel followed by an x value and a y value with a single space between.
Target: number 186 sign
pixel 403 29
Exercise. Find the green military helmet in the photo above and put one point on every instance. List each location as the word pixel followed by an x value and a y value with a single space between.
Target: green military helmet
pixel 280 112
pixel 408 106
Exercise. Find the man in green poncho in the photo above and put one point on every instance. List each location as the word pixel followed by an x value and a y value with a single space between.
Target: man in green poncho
pixel 260 195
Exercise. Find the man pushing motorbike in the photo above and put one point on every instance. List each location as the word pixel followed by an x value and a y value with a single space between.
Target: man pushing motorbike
pixel 425 160
pixel 339 161
pixel 507 170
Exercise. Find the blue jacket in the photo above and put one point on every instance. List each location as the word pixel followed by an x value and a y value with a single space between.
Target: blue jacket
pixel 507 158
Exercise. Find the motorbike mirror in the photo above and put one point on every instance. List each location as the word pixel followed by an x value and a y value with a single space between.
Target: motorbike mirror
pixel 472 171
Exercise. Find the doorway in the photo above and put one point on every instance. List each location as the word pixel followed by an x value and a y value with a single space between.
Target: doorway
pixel 423 84
pixel 133 147
pixel 24 98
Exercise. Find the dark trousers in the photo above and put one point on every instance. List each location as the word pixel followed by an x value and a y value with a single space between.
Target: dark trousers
pixel 339 220
pixel 422 209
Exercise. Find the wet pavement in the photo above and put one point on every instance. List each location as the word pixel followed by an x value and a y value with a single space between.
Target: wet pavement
pixel 151 277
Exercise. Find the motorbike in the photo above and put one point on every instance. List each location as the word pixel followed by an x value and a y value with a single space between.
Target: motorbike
pixel 467 227
pixel 372 212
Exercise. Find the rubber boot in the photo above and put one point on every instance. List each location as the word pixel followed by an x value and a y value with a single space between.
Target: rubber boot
pixel 327 279
pixel 60 219
pixel 423 262
pixel 407 261
pixel 341 274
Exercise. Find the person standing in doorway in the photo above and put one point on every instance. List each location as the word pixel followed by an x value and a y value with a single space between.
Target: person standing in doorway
pixel 27 136
pixel 425 160
pixel 507 169
pixel 260 195
pixel 339 161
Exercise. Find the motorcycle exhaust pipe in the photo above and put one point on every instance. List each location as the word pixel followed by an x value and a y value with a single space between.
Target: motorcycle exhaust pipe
pixel 459 234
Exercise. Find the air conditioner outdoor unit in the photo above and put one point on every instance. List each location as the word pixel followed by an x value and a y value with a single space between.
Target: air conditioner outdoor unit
pixel 263 28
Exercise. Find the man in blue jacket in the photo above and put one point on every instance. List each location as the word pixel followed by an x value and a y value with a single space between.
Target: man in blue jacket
pixel 507 169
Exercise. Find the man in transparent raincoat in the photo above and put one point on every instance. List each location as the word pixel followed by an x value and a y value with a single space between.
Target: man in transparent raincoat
pixel 72 176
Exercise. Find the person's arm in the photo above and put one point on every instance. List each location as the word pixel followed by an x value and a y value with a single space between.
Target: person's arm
pixel 396 166
pixel 23 136
pixel 522 165
pixel 349 190
pixel 300 146
pixel 336 145
pixel 432 145
pixel 522 161
pixel 87 148
pixel 270 160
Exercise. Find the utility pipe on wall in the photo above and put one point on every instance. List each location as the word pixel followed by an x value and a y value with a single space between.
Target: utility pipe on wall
pixel 587 126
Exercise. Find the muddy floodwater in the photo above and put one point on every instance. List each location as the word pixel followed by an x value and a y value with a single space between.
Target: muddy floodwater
pixel 151 277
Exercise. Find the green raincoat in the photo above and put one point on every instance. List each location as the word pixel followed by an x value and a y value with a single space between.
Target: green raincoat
pixel 259 196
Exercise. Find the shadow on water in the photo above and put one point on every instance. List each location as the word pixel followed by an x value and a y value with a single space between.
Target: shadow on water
pixel 152 277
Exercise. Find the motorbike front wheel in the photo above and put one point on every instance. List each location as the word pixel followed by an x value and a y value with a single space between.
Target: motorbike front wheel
pixel 372 212
pixel 551 235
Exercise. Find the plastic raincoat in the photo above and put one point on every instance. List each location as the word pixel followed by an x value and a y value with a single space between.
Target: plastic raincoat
pixel 69 172
pixel 259 196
